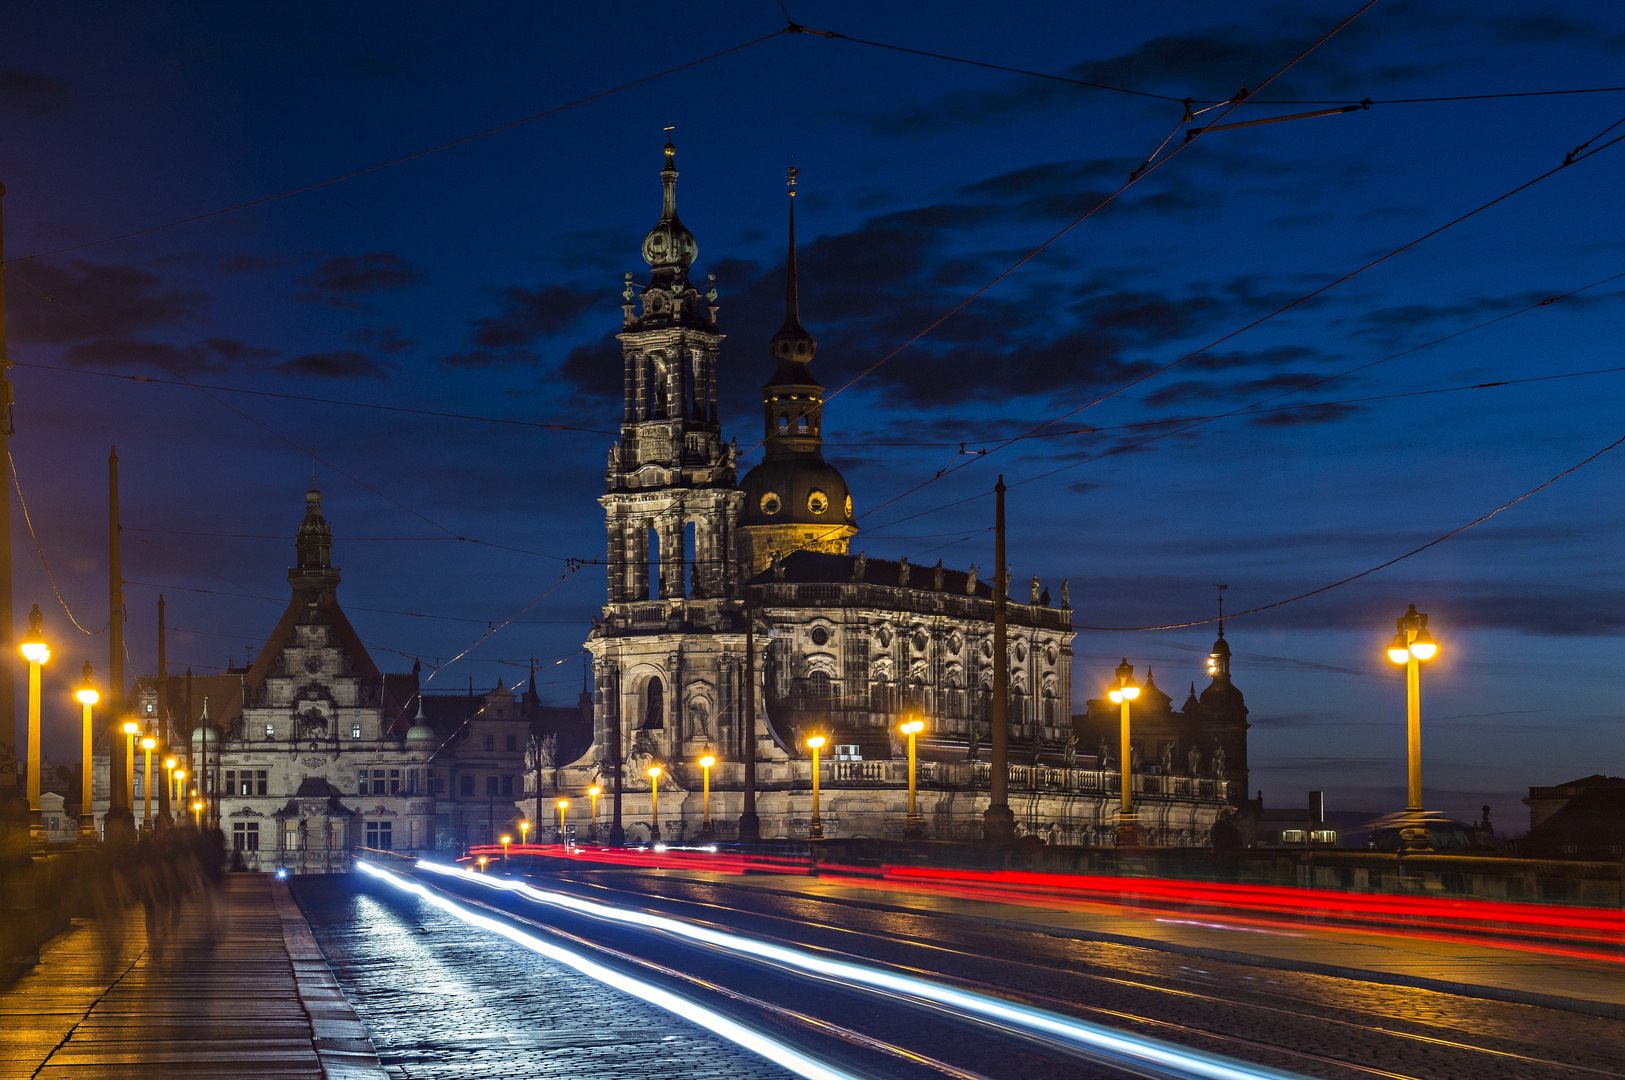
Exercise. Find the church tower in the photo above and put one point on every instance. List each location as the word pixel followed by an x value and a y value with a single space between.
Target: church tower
pixel 794 500
pixel 670 503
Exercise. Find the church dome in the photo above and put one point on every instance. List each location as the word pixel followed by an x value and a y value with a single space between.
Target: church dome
pixel 205 734
pixel 420 731
pixel 803 490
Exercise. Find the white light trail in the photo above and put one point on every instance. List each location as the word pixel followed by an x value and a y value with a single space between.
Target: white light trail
pixel 779 1053
pixel 1123 1050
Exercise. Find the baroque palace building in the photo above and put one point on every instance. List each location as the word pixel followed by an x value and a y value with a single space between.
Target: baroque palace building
pixel 844 645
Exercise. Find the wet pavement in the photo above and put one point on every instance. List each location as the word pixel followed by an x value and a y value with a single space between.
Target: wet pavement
pixel 442 998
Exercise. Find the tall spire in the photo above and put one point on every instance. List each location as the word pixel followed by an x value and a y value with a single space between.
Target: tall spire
pixel 792 344
pixel 669 248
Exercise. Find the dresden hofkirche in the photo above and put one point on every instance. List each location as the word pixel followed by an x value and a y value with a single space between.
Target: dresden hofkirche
pixel 842 645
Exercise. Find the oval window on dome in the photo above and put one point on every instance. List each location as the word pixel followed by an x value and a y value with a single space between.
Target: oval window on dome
pixel 817 501
pixel 771 503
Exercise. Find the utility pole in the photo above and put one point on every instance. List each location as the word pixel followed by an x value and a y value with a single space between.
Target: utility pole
pixel 165 736
pixel 999 823
pixel 612 691
pixel 750 825
pixel 8 646
pixel 119 809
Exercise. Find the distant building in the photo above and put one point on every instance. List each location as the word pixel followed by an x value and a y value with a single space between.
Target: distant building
pixel 1583 819
pixel 1305 827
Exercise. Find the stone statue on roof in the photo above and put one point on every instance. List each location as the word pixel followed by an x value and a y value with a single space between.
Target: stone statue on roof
pixel 970 581
pixel 938 576
pixel 1066 598
pixel 1035 588
pixel 860 567
pixel 902 572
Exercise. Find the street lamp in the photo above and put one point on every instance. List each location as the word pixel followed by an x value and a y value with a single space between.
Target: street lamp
pixel 1128 831
pixel 913 825
pixel 524 833
pixel 592 826
pixel 148 743
pixel 563 805
pixel 654 800
pixel 506 840
pixel 179 792
pixel 816 830
pixel 36 652
pixel 169 784
pixel 707 832
pixel 197 814
pixel 131 729
pixel 1411 645
pixel 87 696
pixel 482 862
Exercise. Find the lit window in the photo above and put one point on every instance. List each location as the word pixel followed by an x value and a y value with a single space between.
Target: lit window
pixel 1292 836
pixel 245 783
pixel 270 730
pixel 1324 836
pixel 355 730
pixel 362 781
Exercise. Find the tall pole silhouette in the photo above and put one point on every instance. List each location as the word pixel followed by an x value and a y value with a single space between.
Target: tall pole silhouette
pixel 999 823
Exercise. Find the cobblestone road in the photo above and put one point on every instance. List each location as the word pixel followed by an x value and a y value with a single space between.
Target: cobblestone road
pixel 446 1001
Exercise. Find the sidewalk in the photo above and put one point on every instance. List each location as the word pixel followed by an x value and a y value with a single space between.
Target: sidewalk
pixel 236 988
pixel 1470 969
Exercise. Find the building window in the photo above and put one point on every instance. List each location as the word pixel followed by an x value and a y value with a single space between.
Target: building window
pixel 467 784
pixel 490 742
pixel 490 785
pixel 1292 836
pixel 270 730
pixel 394 781
pixel 848 752
pixel 507 785
pixel 230 787
pixel 1324 836
pixel 513 743
pixel 293 836
pixel 362 782
pixel 378 782
pixel 379 835
pixel 261 782
pixel 245 836
pixel 437 785
pixel 818 686
pixel 355 729
pixel 412 783
pixel 245 782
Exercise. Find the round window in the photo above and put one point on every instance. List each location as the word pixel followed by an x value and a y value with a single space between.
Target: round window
pixel 820 636
pixel 849 508
pixel 817 501
pixel 770 503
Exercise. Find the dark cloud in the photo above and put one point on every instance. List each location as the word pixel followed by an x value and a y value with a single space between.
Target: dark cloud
pixel 1541 29
pixel 332 365
pixel 30 94
pixel 595 369
pixel 1305 415
pixel 340 279
pixel 95 299
pixel 387 339
pixel 213 356
pixel 524 317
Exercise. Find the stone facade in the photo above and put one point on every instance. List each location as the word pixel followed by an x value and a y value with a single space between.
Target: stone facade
pixel 845 646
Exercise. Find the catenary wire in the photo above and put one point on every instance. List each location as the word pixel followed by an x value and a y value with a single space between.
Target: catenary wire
pixel 1249 99
pixel 32 535
pixel 315 400
pixel 405 158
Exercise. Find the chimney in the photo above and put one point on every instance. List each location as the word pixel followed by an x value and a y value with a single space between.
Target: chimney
pixel 1317 808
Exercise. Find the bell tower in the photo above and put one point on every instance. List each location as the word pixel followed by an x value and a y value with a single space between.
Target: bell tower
pixel 670 502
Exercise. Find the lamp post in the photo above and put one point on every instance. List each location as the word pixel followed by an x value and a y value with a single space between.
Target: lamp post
pixel 707 830
pixel 179 794
pixel 482 861
pixel 592 825
pixel 913 825
pixel 1412 644
pixel 148 743
pixel 816 830
pixel 197 814
pixel 131 729
pixel 654 800
pixel 1128 828
pixel 36 652
pixel 506 840
pixel 563 805
pixel 169 791
pixel 87 696
pixel 524 833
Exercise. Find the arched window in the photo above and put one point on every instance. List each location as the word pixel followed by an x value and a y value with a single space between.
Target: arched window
pixel 651 562
pixel 801 425
pixel 784 422
pixel 877 698
pixel 654 710
pixel 1049 708
pixel 819 687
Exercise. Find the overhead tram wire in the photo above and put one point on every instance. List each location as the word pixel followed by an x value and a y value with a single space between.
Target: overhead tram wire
pixel 316 400
pixel 1372 570
pixel 1580 153
pixel 1087 84
pixel 303 451
pixel 404 158
pixel 17 482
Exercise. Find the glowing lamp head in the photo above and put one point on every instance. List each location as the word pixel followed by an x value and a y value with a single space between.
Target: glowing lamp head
pixel 1130 693
pixel 563 804
pixel 87 693
pixel 913 727
pixel 197 804
pixel 33 646
pixel 180 774
pixel 816 742
pixel 131 727
pixel 707 761
pixel 506 839
pixel 148 743
pixel 595 790
pixel 1399 652
pixel 1424 647
pixel 169 763
pixel 1127 688
pixel 654 771
pixel 1116 696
